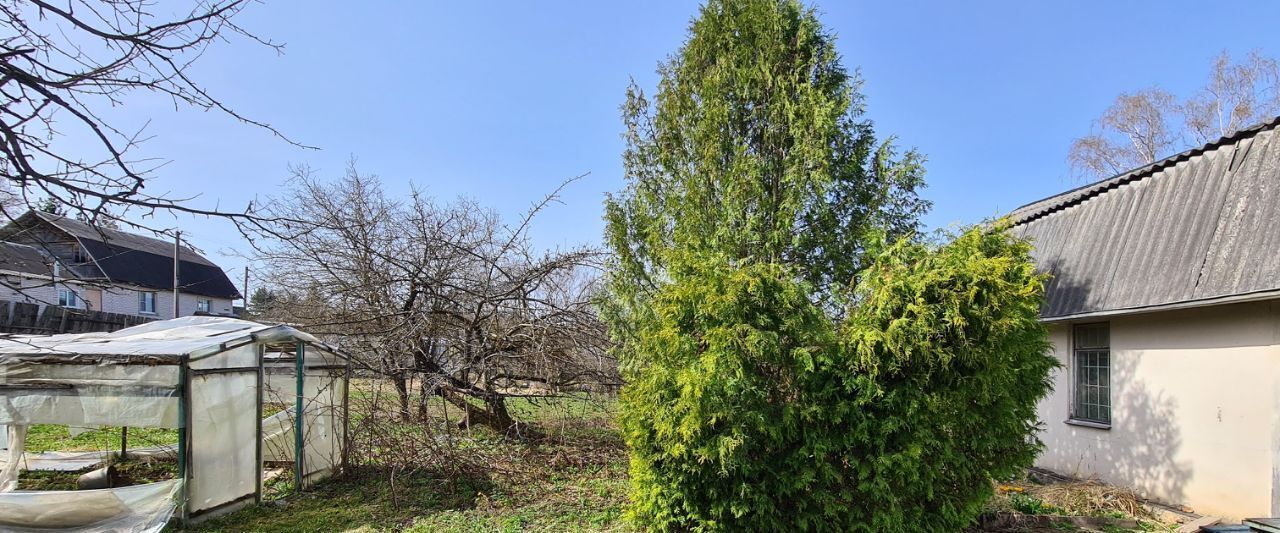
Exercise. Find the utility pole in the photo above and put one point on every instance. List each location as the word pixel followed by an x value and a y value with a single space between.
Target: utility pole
pixel 177 240
pixel 245 292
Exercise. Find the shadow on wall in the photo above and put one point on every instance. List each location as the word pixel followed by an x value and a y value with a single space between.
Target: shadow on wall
pixel 1140 450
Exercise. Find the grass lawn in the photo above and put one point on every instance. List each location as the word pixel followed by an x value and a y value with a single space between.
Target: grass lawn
pixel 50 437
pixel 571 479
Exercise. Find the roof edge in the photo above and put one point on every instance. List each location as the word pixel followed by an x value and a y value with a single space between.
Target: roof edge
pixel 1098 187
pixel 1257 296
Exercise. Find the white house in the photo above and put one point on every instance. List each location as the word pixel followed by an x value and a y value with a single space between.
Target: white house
pixel 55 260
pixel 1164 307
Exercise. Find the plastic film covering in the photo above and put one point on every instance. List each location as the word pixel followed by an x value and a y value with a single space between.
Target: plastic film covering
pixel 90 405
pixel 139 508
pixel 223 429
pixel 106 373
pixel 240 356
pixel 322 423
pixel 15 445
pixel 277 437
pixel 279 392
pixel 322 408
pixel 194 336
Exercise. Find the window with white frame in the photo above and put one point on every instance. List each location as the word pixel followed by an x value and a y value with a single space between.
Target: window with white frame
pixel 1091 347
pixel 147 303
pixel 203 305
pixel 67 297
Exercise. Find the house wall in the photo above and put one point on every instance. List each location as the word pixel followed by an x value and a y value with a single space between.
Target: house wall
pixel 125 300
pixel 1194 407
pixel 33 290
pixel 59 245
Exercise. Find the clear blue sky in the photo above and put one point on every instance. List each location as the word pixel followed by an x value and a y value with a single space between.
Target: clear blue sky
pixel 501 102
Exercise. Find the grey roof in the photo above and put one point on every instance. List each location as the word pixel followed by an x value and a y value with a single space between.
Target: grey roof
pixel 25 259
pixel 134 259
pixel 84 231
pixel 1197 228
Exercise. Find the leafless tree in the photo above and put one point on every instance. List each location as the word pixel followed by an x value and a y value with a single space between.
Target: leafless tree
pixel 64 63
pixel 1143 127
pixel 442 297
pixel 1136 130
pixel 1237 96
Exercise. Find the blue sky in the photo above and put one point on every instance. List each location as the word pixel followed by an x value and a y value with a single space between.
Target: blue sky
pixel 502 101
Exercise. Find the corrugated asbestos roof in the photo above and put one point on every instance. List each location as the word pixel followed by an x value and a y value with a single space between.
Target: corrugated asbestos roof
pixel 1196 228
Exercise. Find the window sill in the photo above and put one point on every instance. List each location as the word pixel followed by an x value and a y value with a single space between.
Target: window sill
pixel 1086 423
pixel 144 313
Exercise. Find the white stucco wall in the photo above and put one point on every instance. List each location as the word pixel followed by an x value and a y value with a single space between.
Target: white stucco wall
pixel 1194 407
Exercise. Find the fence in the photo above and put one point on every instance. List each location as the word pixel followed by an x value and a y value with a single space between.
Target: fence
pixel 22 317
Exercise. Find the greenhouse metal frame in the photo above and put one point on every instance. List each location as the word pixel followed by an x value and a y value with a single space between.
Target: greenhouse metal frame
pixel 208 377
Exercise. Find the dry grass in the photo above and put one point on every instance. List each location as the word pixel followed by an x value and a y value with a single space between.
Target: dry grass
pixel 1040 495
pixel 1092 498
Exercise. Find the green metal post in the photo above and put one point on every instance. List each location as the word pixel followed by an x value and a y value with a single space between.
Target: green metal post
pixel 257 454
pixel 301 352
pixel 183 394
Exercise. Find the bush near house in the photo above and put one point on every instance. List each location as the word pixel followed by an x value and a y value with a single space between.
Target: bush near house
pixel 747 407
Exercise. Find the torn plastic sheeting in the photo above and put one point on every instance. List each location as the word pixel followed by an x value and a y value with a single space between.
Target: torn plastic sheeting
pixel 73 461
pixel 47 407
pixel 277 436
pixel 139 508
pixel 107 373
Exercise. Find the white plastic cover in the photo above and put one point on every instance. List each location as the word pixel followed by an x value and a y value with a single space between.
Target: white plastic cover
pixel 139 508
pixel 93 405
pixel 238 357
pixel 322 423
pixel 277 436
pixel 224 426
pixel 17 442
pixel 189 335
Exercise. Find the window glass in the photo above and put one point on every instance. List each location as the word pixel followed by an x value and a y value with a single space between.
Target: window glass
pixel 1092 354
pixel 147 302
pixel 66 297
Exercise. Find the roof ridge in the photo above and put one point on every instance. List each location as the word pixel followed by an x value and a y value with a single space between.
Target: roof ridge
pixel 1075 195
pixel 120 237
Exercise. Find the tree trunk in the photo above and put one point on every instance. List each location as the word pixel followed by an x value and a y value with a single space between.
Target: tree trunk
pixel 423 396
pixel 402 390
pixel 494 415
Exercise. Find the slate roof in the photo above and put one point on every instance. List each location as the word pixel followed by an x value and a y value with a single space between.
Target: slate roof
pixel 1198 228
pixel 136 259
pixel 25 259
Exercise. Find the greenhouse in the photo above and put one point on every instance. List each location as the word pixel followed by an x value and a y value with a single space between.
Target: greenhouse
pixel 218 405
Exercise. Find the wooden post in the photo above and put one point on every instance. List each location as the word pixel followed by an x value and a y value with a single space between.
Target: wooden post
pixel 244 292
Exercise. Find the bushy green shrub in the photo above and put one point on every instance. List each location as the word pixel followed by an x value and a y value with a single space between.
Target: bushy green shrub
pixel 766 390
pixel 719 411
pixel 946 346
pixel 748 407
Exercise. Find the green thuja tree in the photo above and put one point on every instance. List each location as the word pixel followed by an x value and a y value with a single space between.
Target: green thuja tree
pixel 947 358
pixel 772 383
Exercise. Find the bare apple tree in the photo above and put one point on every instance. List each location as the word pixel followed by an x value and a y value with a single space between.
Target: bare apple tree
pixel 64 63
pixel 444 300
